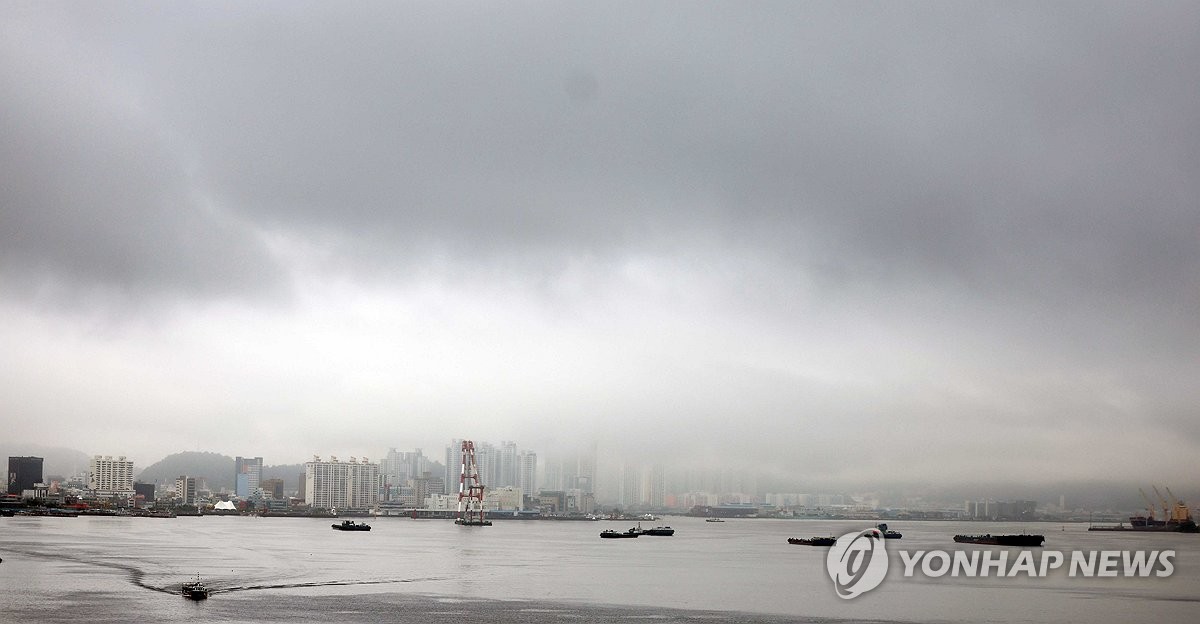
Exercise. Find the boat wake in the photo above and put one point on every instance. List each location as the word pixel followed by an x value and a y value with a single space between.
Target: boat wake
pixel 137 576
pixel 236 588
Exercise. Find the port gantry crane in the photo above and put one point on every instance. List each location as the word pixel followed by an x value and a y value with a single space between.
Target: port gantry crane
pixel 1149 505
pixel 1165 506
pixel 1179 510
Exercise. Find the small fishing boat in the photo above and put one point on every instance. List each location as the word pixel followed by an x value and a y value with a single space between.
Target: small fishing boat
pixel 194 590
pixel 350 525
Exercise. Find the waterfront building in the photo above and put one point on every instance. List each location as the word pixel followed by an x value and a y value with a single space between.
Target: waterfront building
pixel 506 465
pixel 399 469
pixel 109 477
pixel 341 485
pixel 507 498
pixel 630 485
pixel 143 493
pixel 425 486
pixel 654 489
pixel 576 501
pixel 394 472
pixel 23 474
pixel 273 488
pixel 441 502
pixel 487 460
pixel 527 472
pixel 552 502
pixel 453 465
pixel 571 471
pixel 185 489
pixel 251 467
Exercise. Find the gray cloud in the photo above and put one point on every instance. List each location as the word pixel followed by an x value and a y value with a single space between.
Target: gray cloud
pixel 972 213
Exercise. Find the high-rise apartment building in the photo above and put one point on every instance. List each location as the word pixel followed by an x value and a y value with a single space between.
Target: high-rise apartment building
pixel 629 485
pixel 503 466
pixel 341 485
pixel 394 471
pixel 507 474
pixel 108 476
pixel 654 490
pixel 571 471
pixel 527 472
pixel 23 473
pixel 247 475
pixel 453 465
pixel 185 489
pixel 487 459
pixel 425 486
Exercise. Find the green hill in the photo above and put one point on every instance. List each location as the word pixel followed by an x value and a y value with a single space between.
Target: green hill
pixel 214 468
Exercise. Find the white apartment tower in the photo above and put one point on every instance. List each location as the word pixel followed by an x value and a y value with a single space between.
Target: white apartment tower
pixel 108 476
pixel 341 485
pixel 527 472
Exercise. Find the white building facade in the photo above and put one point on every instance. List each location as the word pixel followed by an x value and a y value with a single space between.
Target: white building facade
pixel 108 476
pixel 341 485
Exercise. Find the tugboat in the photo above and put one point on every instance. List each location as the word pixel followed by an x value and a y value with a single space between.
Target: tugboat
pixel 611 534
pixel 350 525
pixel 1001 540
pixel 713 520
pixel 888 534
pixel 194 590
pixel 813 541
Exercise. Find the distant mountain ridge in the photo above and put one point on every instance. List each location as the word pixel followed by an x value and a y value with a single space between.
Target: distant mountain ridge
pixel 57 461
pixel 216 469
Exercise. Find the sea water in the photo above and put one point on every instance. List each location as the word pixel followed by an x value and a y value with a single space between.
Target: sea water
pixel 124 569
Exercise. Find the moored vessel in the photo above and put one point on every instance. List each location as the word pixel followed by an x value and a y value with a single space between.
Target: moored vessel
pixel 1001 540
pixel 888 534
pixel 812 541
pixel 611 534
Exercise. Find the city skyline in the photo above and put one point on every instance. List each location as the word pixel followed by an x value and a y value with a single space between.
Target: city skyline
pixel 616 481
pixel 849 243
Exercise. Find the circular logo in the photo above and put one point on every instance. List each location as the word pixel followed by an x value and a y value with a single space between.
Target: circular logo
pixel 857 563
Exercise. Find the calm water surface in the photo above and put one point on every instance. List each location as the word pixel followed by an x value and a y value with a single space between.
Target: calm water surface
pixel 291 569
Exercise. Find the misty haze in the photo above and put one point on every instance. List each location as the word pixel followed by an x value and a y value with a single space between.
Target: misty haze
pixel 801 260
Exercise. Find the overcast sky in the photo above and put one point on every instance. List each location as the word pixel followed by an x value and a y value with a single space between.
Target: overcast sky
pixel 926 241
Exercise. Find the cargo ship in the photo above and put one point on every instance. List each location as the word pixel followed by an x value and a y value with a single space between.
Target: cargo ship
pixel 1178 518
pixel 1001 540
